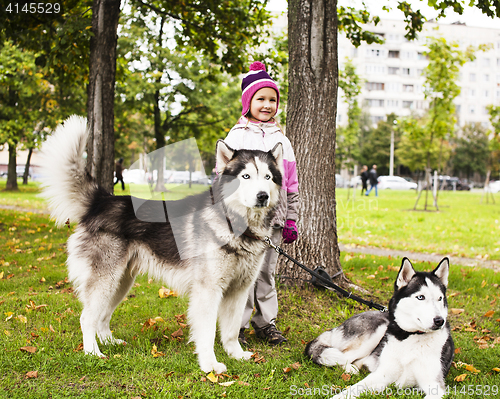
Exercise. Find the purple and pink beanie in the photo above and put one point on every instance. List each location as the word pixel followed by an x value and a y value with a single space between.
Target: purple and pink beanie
pixel 254 80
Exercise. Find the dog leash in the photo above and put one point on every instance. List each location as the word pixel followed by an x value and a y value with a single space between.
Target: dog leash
pixel 326 282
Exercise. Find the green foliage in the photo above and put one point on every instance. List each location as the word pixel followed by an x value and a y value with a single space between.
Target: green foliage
pixel 471 152
pixel 376 145
pixel 349 21
pixel 24 95
pixel 348 136
pixel 220 30
pixel 441 88
pixel 415 149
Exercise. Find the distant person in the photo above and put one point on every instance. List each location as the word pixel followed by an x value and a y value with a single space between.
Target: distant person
pixel 119 173
pixel 364 179
pixel 373 177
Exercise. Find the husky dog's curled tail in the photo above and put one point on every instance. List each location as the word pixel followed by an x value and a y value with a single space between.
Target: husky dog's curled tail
pixel 65 183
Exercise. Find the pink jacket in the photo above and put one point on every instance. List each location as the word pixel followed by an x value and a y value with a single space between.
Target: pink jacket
pixel 264 136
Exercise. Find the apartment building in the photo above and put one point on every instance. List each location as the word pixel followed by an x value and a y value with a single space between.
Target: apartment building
pixel 392 72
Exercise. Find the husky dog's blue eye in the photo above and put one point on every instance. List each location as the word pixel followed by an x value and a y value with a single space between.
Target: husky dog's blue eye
pixel 420 297
pixel 246 176
pixel 267 177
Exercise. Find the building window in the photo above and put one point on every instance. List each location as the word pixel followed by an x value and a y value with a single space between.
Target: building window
pixel 374 86
pixel 408 104
pixel 472 92
pixel 393 103
pixel 376 118
pixel 472 110
pixel 406 71
pixel 420 72
pixel 393 71
pixel 486 77
pixel 374 103
pixel 498 62
pixel 374 53
pixel 486 93
pixel 408 88
pixel 393 53
pixel 472 77
pixel 421 56
pixel 486 62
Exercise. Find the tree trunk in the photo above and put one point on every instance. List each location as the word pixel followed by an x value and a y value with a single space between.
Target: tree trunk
pixel 27 167
pixel 11 170
pixel 312 104
pixel 101 92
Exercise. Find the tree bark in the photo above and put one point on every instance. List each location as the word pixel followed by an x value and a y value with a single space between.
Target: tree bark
pixel 311 116
pixel 11 184
pixel 27 167
pixel 101 92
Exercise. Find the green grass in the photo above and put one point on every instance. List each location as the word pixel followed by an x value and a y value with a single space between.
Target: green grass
pixel 32 270
pixel 26 197
pixel 463 226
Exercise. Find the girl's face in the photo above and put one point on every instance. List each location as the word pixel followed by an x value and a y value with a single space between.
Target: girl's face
pixel 263 105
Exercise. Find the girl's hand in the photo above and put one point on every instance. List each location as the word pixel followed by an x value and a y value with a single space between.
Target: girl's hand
pixel 290 232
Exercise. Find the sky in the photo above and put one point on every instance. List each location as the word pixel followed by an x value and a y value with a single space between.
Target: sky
pixel 472 16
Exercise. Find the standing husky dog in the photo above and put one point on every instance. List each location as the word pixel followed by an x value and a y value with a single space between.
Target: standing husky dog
pixel 214 256
pixel 411 345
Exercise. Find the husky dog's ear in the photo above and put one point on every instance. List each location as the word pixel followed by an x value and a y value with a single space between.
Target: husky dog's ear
pixel 405 274
pixel 223 155
pixel 277 153
pixel 442 271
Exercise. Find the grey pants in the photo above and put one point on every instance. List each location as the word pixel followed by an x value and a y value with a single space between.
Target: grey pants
pixel 263 294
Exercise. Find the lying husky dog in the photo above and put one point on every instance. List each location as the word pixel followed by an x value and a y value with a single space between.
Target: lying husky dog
pixel 410 345
pixel 213 253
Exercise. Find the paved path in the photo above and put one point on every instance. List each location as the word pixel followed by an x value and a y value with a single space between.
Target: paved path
pixel 422 257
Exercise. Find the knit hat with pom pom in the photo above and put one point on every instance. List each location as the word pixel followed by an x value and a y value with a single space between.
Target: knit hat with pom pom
pixel 254 80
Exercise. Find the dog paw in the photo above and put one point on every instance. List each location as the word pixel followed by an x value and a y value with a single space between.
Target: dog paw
pixel 216 367
pixel 351 369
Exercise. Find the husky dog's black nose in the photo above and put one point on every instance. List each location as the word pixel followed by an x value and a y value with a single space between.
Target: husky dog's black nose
pixel 262 198
pixel 438 322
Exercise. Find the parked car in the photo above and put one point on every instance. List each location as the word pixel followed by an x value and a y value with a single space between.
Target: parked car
pixel 395 183
pixel 339 181
pixel 455 182
pixel 20 171
pixel 355 181
pixel 494 186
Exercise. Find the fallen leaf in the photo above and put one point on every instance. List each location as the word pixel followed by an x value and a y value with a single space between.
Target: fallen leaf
pixel 213 378
pixel 489 313
pixel 456 311
pixel 346 377
pixel 295 366
pixel 30 349
pixel 31 374
pixel 287 369
pixel 227 383
pixel 177 333
pixel 472 369
pixel 78 348
pixel 246 384
pixel 496 369
pixel 461 377
pixel 155 352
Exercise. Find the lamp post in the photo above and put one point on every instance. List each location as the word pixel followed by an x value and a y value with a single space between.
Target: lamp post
pixel 391 159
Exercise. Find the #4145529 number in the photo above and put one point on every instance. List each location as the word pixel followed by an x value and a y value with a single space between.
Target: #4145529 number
pixel 33 8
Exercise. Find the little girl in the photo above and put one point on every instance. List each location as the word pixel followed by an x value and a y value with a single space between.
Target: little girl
pixel 257 130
